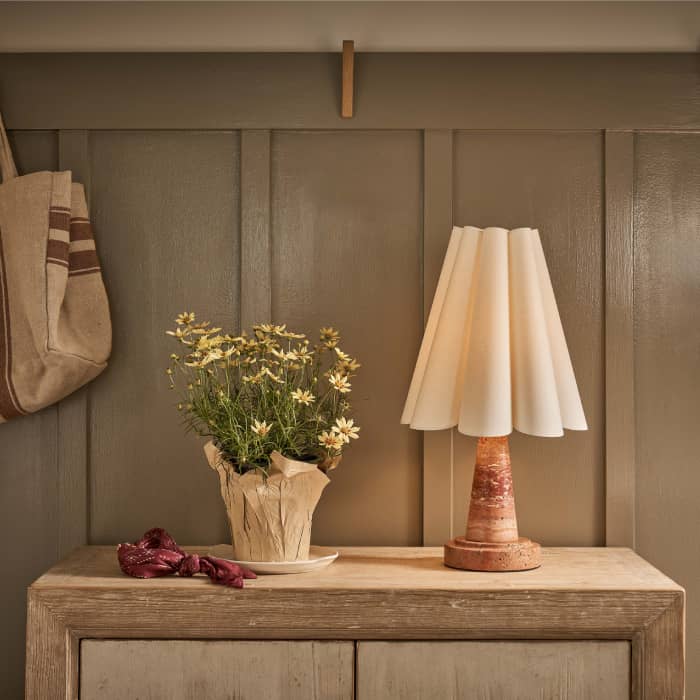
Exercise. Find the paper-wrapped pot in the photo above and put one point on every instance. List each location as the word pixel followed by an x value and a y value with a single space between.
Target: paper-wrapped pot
pixel 270 518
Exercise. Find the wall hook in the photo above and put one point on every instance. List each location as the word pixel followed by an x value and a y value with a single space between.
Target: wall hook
pixel 346 107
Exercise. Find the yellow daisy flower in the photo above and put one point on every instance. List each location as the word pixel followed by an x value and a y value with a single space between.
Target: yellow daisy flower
pixel 261 429
pixel 329 337
pixel 331 441
pixel 340 383
pixel 185 318
pixel 346 429
pixel 303 397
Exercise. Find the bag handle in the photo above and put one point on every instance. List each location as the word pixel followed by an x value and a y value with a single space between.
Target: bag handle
pixel 8 169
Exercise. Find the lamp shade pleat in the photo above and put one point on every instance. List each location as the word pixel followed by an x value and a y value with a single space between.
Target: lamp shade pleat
pixel 572 415
pixel 494 356
pixel 535 399
pixel 485 407
pixel 435 392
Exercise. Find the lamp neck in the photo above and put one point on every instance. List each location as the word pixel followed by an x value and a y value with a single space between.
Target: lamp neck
pixel 492 506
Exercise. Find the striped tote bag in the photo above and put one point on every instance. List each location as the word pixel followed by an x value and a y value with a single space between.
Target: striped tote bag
pixel 55 329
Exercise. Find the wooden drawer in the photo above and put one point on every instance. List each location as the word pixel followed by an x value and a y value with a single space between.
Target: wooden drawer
pixel 313 670
pixel 199 670
pixel 526 670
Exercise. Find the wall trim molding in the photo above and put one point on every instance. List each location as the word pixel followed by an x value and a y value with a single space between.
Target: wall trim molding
pixel 619 340
pixel 271 91
pixel 72 429
pixel 438 454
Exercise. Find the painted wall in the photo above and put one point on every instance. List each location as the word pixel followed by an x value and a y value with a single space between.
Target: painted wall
pixel 375 26
pixel 245 203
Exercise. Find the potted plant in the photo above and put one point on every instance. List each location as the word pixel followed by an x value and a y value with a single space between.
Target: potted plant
pixel 275 409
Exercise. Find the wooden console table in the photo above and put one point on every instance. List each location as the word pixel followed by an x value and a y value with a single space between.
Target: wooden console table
pixel 378 624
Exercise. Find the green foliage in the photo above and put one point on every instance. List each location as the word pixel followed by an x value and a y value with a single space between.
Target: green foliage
pixel 272 390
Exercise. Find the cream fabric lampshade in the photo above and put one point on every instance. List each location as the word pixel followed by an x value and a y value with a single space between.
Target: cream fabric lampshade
pixel 494 356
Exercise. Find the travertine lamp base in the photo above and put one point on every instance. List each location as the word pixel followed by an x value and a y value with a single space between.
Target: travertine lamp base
pixel 491 542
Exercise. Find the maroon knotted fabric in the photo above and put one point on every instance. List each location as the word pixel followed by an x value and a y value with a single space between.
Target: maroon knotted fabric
pixel 157 554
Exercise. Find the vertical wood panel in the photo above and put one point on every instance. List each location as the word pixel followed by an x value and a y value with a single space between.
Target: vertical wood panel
pixel 551 181
pixel 619 340
pixel 438 477
pixel 29 482
pixel 667 364
pixel 256 285
pixel 493 670
pixel 166 206
pixel 347 249
pixel 196 670
pixel 72 411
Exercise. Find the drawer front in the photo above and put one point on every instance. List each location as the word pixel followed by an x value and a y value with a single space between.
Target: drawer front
pixel 195 670
pixel 543 670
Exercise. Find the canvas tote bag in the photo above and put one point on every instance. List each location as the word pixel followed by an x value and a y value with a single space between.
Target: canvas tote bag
pixel 55 330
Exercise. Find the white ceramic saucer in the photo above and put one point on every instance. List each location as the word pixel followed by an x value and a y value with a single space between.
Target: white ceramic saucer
pixel 319 557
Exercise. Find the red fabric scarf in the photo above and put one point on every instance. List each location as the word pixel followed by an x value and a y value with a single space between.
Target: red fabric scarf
pixel 157 554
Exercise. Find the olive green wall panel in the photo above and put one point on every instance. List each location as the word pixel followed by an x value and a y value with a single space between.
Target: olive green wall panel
pixel 29 481
pixel 667 364
pixel 347 250
pixel 166 211
pixel 554 181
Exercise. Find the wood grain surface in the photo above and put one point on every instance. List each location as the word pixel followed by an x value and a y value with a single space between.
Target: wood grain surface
pixel 493 670
pixel 368 594
pixel 177 670
pixel 564 568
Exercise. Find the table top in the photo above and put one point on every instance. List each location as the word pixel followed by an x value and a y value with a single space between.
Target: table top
pixel 386 569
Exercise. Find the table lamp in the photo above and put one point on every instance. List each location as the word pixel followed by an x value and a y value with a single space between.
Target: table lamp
pixel 494 358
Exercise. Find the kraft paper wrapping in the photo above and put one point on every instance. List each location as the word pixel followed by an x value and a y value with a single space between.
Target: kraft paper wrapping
pixel 270 518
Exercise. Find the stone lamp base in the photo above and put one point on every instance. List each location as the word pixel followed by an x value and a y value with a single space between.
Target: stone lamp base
pixel 491 542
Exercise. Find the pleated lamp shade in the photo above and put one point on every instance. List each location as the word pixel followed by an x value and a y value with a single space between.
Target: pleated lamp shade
pixel 494 356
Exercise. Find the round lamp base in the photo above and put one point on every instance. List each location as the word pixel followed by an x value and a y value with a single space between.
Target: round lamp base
pixel 522 555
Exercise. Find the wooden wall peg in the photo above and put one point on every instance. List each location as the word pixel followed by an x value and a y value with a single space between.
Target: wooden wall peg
pixel 346 108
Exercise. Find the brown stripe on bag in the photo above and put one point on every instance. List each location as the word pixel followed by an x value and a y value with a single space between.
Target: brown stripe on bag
pixel 9 405
pixel 57 251
pixel 83 260
pixel 59 219
pixel 80 230
pixel 88 271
